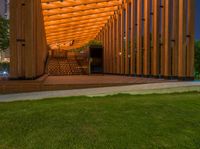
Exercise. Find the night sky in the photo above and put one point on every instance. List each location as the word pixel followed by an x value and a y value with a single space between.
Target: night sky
pixel 197 24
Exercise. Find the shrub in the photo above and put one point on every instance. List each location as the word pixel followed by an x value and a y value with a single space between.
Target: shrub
pixel 4 66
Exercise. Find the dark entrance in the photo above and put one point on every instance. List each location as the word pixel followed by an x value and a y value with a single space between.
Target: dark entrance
pixel 96 59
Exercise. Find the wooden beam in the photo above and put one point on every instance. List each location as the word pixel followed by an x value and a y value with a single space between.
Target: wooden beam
pixel 50 4
pixel 80 14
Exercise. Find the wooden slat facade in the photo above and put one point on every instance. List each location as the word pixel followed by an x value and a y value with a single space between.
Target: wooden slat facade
pixel 28 41
pixel 161 39
pixel 150 38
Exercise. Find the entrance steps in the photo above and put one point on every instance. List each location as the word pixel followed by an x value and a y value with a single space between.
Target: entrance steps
pixel 62 66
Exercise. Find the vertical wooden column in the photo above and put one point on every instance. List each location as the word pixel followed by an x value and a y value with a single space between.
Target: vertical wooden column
pixel 127 47
pixel 114 45
pixel 122 41
pixel 118 42
pixel 110 46
pixel 175 39
pixel 155 52
pixel 191 32
pixel 147 37
pixel 139 37
pixel 162 40
pixel 167 47
pixel 101 37
pixel 133 37
pixel 96 38
pixel 106 48
pixel 182 40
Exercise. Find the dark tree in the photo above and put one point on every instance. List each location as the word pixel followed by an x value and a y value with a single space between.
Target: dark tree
pixel 197 57
pixel 4 34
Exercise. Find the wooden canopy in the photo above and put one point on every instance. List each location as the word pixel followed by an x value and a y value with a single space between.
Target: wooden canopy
pixel 77 21
pixel 150 38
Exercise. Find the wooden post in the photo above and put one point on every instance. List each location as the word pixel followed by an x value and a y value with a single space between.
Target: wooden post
pixel 191 32
pixel 182 40
pixel 175 39
pixel 139 37
pixel 114 44
pixel 155 52
pixel 127 47
pixel 118 43
pixel 106 48
pixel 122 41
pixel 147 37
pixel 167 47
pixel 110 46
pixel 133 37
pixel 161 51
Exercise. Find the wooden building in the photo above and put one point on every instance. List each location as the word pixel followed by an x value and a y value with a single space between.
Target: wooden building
pixel 146 38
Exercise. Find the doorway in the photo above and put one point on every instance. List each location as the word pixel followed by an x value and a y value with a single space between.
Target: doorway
pixel 96 59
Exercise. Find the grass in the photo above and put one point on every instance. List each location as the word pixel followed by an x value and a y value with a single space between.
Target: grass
pixel 113 122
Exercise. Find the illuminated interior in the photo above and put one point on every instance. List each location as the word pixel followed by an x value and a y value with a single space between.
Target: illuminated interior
pixel 71 24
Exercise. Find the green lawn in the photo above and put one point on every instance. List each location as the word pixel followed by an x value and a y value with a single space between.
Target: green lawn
pixel 113 122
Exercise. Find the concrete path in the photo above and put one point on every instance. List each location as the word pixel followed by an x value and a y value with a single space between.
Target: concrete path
pixel 157 88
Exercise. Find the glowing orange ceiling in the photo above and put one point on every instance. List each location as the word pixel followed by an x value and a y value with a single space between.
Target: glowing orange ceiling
pixel 75 21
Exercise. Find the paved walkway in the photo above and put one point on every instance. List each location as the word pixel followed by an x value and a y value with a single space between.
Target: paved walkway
pixel 130 89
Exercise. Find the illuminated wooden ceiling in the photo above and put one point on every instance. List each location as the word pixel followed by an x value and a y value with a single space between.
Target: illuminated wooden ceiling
pixel 75 21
